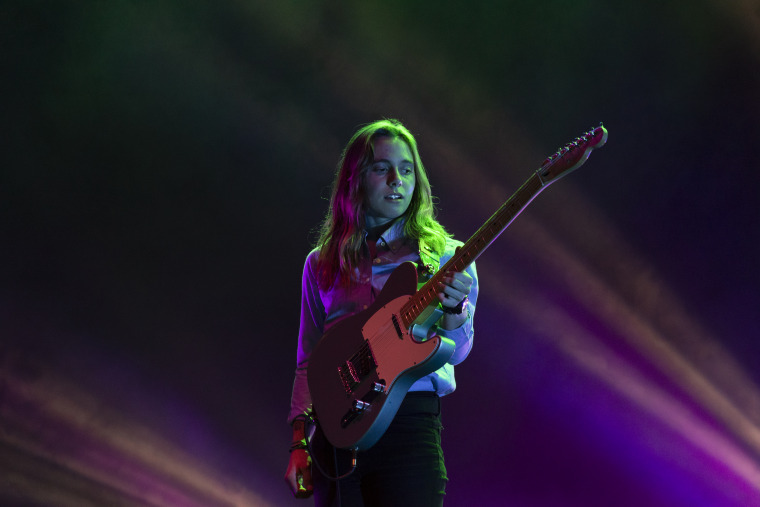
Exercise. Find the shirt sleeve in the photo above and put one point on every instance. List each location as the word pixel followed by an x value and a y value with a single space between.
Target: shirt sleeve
pixel 310 331
pixel 463 335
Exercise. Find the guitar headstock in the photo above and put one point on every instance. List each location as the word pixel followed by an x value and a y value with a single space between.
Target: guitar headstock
pixel 571 156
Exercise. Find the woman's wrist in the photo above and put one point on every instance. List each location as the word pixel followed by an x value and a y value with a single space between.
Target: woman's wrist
pixel 451 321
pixel 299 444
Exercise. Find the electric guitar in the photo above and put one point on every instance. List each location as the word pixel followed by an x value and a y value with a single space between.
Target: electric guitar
pixel 361 368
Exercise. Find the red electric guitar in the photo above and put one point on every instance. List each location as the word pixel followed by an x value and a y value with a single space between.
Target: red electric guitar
pixel 362 367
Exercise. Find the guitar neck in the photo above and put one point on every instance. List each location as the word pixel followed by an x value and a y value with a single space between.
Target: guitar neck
pixel 567 159
pixel 471 250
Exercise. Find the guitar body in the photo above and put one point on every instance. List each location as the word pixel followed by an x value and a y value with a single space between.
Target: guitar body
pixel 361 369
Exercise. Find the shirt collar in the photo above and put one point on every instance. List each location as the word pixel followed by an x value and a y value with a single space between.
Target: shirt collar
pixel 393 237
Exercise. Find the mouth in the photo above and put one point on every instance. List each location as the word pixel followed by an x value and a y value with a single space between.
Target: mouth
pixel 395 196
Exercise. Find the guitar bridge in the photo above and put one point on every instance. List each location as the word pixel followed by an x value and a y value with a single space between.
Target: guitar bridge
pixel 357 368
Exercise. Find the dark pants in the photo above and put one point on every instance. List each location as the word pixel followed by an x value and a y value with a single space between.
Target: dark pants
pixel 404 468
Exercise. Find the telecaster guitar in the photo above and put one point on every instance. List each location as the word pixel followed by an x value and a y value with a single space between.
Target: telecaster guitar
pixel 362 367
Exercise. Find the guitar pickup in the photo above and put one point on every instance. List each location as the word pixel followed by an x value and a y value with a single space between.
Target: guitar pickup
pixel 357 368
pixel 346 378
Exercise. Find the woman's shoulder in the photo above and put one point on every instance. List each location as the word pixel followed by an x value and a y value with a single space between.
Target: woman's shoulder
pixel 312 257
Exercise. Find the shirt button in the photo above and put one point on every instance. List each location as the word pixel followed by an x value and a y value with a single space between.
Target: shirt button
pixel 365 307
pixel 377 260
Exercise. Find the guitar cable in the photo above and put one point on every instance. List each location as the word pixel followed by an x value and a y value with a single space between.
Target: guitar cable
pixel 335 461
pixel 311 425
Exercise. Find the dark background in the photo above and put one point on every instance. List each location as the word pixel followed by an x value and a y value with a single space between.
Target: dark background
pixel 164 166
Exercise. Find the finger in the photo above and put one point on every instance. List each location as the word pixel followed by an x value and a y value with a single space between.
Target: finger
pixel 291 481
pixel 305 488
pixel 305 482
pixel 454 283
pixel 445 290
pixel 450 297
pixel 462 281
pixel 303 493
pixel 459 281
pixel 300 484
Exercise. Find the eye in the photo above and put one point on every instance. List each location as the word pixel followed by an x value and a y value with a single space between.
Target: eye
pixel 380 168
pixel 406 171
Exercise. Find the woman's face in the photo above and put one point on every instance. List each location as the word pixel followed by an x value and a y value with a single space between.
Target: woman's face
pixel 389 181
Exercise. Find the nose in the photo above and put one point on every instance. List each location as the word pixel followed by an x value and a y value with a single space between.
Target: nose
pixel 394 178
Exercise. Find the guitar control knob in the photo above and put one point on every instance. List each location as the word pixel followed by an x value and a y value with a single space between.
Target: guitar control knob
pixel 360 406
pixel 378 387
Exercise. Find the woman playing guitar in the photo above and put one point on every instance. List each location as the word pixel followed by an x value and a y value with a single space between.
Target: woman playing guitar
pixel 386 443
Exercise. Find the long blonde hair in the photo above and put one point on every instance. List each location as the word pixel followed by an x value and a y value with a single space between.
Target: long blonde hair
pixel 342 231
